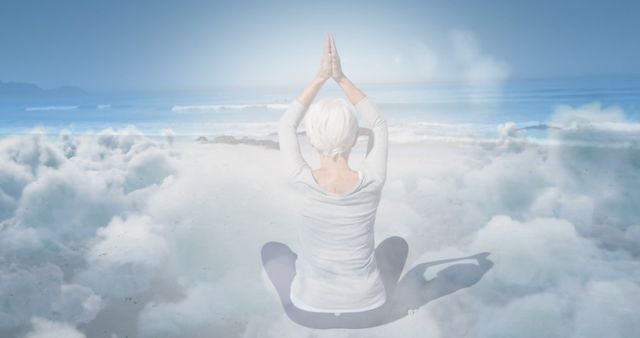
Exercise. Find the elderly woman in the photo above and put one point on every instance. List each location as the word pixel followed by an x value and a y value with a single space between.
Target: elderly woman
pixel 338 270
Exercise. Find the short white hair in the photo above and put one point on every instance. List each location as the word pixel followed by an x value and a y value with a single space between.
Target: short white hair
pixel 332 126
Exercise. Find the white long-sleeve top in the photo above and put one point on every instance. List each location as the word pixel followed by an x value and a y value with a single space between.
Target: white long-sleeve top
pixel 336 270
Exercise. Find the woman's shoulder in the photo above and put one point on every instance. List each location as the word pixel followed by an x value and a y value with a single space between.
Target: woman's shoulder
pixel 373 178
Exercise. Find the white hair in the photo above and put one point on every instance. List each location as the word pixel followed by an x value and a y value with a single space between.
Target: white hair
pixel 332 126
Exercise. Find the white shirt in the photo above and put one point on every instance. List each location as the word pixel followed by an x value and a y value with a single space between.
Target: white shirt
pixel 336 270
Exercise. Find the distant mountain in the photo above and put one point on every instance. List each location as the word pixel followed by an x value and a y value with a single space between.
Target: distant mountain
pixel 30 90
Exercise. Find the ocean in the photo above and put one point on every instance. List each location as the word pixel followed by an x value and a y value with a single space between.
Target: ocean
pixel 416 112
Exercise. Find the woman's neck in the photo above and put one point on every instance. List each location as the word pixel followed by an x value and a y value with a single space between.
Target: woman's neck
pixel 340 163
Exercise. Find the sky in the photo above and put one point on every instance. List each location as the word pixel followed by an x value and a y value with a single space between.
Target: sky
pixel 166 45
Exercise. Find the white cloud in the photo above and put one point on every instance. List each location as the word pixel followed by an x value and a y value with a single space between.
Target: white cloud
pixel 43 328
pixel 460 59
pixel 30 291
pixel 608 307
pixel 416 62
pixel 92 220
pixel 521 263
pixel 476 66
pixel 77 304
pixel 125 256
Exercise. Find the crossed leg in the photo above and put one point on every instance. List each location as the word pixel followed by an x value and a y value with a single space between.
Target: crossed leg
pixel 279 263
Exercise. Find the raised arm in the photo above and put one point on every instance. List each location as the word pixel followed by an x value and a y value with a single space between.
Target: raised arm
pixel 354 94
pixel 375 162
pixel 288 125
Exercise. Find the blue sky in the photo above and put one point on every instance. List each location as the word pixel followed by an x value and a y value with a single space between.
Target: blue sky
pixel 107 45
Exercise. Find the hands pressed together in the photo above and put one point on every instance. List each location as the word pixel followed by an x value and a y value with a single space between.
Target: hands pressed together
pixel 330 66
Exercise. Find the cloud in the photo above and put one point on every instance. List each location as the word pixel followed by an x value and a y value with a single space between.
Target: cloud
pixel 477 67
pixel 43 328
pixel 460 59
pixel 124 257
pixel 608 307
pixel 595 125
pixel 27 292
pixel 207 310
pixel 65 201
pixel 175 228
pixel 414 63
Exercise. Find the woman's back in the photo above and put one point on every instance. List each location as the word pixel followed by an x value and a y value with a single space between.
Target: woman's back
pixel 336 269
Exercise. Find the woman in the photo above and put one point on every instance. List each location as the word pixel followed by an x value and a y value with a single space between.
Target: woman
pixel 336 270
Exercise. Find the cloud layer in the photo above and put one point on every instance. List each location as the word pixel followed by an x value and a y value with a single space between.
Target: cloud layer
pixel 163 237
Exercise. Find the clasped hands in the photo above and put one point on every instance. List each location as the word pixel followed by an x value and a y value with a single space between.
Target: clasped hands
pixel 330 65
pixel 330 68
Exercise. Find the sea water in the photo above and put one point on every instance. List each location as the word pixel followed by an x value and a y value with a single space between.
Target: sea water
pixel 416 112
